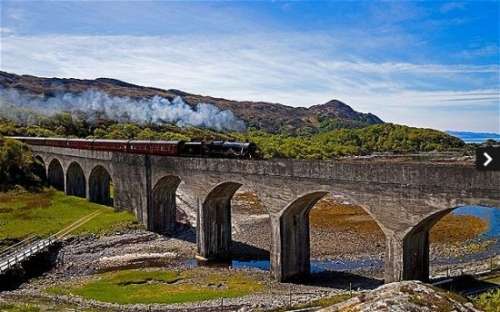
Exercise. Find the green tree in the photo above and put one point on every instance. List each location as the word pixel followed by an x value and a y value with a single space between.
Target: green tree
pixel 16 162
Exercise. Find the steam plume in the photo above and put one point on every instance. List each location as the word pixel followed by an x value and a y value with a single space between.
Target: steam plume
pixel 159 110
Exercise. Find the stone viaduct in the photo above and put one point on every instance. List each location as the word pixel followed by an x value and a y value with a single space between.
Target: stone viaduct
pixel 405 198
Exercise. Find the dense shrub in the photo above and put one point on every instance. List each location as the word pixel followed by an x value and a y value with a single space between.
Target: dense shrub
pixel 17 165
pixel 377 138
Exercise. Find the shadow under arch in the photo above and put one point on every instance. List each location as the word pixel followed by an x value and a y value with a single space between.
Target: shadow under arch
pixel 55 174
pixel 290 256
pixel 75 181
pixel 214 222
pixel 163 209
pixel 100 186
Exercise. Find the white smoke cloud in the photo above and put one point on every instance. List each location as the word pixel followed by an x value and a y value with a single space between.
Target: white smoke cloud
pixel 159 110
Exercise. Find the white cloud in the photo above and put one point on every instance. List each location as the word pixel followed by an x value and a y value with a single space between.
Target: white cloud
pixel 291 68
pixel 486 50
pixel 451 6
pixel 6 31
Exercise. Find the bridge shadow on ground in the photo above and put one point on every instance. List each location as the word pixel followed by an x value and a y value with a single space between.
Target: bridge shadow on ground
pixel 184 232
pixel 339 280
pixel 244 251
pixel 259 258
pixel 467 285
pixel 239 250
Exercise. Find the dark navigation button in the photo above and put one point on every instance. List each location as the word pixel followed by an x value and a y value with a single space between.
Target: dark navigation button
pixel 488 158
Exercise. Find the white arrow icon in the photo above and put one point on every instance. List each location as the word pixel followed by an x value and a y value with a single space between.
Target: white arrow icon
pixel 488 159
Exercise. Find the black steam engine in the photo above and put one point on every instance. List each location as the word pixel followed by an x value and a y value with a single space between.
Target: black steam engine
pixel 222 149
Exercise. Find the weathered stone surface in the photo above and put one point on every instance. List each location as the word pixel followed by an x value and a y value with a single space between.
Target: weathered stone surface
pixel 404 198
pixel 403 296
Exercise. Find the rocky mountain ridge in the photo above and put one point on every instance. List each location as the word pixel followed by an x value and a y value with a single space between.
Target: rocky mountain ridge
pixel 271 117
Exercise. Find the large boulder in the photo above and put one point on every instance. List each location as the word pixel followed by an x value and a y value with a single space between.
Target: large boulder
pixel 405 296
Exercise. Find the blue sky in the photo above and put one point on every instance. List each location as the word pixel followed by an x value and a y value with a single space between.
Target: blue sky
pixel 426 64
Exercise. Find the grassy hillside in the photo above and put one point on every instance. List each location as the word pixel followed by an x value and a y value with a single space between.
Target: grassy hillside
pixel 43 213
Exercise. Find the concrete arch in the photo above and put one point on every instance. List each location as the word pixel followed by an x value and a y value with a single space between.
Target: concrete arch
pixel 214 222
pixel 163 208
pixel 415 244
pixel 55 174
pixel 100 186
pixel 290 256
pixel 75 180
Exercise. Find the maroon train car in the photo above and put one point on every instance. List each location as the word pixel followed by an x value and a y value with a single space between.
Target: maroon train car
pixel 80 143
pixel 138 147
pixel 242 150
pixel 110 145
pixel 165 148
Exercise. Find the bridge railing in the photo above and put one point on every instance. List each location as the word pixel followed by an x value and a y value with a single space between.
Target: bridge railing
pixel 10 260
pixel 17 253
pixel 14 248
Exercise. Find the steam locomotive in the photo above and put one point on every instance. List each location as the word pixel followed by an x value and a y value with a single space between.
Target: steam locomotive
pixel 221 149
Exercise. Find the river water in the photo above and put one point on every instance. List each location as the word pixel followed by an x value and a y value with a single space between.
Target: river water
pixel 490 215
pixel 474 137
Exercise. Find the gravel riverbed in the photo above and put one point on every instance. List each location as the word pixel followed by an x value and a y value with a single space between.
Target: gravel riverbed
pixel 81 257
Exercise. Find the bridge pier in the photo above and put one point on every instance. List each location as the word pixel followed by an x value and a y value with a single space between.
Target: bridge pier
pixel 290 251
pixel 290 248
pixel 407 253
pixel 163 208
pixel 407 258
pixel 214 223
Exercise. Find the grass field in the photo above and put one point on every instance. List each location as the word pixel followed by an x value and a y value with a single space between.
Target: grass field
pixel 18 307
pixel 29 304
pixel 489 301
pixel 23 213
pixel 162 286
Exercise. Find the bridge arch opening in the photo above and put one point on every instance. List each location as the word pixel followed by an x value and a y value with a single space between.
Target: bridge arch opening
pixel 214 222
pixel 100 186
pixel 56 174
pixel 448 227
pixel 38 168
pixel 75 181
pixel 162 214
pixel 251 236
pixel 314 225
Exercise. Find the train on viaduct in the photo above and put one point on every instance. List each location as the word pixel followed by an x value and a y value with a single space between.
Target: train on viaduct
pixel 405 198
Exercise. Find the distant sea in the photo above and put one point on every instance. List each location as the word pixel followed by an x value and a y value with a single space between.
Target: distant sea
pixel 475 137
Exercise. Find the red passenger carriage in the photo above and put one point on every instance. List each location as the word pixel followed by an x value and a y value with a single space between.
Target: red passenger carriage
pixel 165 148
